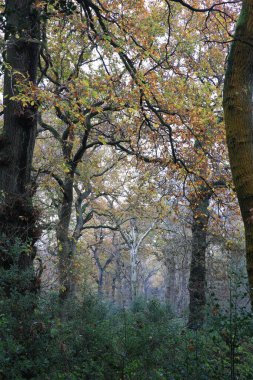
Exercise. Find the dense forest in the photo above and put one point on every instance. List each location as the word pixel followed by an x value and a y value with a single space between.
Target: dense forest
pixel 126 190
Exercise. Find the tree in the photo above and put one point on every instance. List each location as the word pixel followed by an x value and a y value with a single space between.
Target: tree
pixel 166 125
pixel 74 113
pixel 133 240
pixel 134 218
pixel 17 215
pixel 197 280
pixel 237 103
pixel 97 249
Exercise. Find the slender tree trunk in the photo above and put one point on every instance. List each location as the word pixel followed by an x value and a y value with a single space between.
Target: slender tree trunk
pixel 237 103
pixel 17 215
pixel 133 274
pixel 197 280
pixel 114 279
pixel 171 281
pixel 100 281
pixel 119 277
pixel 66 245
pixel 183 294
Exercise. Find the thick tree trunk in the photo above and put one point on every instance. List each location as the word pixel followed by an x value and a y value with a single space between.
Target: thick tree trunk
pixel 67 282
pixel 197 280
pixel 17 216
pixel 237 103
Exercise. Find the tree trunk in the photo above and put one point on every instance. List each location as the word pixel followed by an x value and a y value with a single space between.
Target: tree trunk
pixel 133 274
pixel 197 280
pixel 113 288
pixel 101 282
pixel 67 240
pixel 171 280
pixel 237 103
pixel 66 244
pixel 17 215
pixel 182 301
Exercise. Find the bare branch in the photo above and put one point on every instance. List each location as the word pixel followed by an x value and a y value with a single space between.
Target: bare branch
pixel 212 8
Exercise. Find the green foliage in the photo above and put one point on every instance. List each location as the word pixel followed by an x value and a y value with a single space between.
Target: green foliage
pixel 41 338
pixel 65 6
pixel 98 341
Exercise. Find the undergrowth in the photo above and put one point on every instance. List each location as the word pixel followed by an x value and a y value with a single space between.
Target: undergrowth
pixel 98 341
pixel 89 339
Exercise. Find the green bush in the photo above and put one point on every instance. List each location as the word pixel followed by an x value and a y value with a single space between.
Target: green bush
pixel 95 340
pixel 42 339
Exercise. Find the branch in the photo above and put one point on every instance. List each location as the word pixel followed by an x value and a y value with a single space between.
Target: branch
pixel 212 8
pixel 141 156
pixel 49 128
pixel 124 237
pixel 80 152
pixel 101 226
pixel 145 234
pixel 54 176
pixel 108 261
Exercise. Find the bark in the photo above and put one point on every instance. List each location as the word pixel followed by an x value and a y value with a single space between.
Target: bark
pixel 134 241
pixel 134 247
pixel 66 239
pixel 101 268
pixel 134 277
pixel 237 103
pixel 183 294
pixel 197 280
pixel 171 280
pixel 117 280
pixel 113 288
pixel 101 282
pixel 66 244
pixel 17 215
